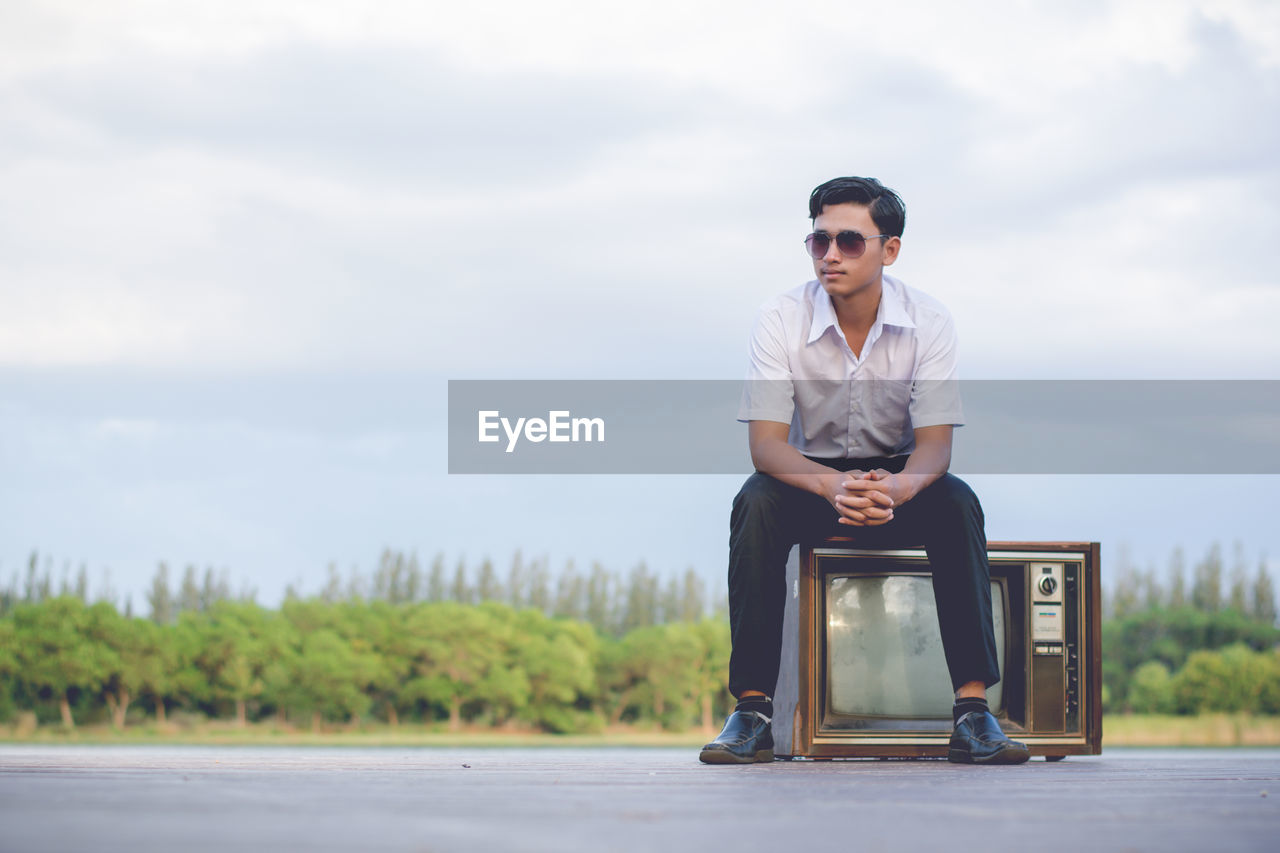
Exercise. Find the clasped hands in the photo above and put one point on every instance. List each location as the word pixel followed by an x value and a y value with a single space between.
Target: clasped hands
pixel 866 498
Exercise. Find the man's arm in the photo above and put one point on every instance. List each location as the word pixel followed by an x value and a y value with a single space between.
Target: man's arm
pixel 929 461
pixel 772 455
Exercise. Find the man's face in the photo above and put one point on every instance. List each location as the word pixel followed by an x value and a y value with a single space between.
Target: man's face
pixel 842 276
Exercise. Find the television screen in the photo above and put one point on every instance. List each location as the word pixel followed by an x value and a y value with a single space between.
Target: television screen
pixel 884 650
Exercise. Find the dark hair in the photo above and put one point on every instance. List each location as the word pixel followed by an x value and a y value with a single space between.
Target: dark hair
pixel 887 210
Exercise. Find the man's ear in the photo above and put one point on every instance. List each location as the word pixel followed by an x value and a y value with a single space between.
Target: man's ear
pixel 891 248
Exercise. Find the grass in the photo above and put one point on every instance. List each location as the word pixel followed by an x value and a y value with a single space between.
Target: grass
pixel 1207 730
pixel 1203 730
pixel 271 733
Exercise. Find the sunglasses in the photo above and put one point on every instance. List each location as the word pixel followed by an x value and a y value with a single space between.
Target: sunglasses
pixel 850 243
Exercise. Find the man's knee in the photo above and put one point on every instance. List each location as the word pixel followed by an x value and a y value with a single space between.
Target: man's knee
pixel 951 497
pixel 758 494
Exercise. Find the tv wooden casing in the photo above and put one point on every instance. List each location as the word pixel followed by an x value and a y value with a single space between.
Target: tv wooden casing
pixel 799 704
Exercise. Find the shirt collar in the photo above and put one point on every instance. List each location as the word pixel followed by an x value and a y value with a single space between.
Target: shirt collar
pixel 892 310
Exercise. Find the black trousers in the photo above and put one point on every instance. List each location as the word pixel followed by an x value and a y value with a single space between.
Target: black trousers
pixel 769 517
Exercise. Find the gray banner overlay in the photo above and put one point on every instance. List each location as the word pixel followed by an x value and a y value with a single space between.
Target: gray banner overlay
pixel 1011 426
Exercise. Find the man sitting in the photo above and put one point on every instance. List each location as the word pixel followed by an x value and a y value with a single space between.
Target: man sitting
pixel 850 402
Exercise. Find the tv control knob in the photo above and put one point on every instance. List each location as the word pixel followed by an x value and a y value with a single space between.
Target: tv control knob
pixel 1048 585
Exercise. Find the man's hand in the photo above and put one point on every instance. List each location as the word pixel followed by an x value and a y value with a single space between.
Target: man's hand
pixel 860 498
pixel 888 489
pixel 856 506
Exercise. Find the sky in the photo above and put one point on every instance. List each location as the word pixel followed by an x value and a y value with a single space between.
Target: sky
pixel 245 246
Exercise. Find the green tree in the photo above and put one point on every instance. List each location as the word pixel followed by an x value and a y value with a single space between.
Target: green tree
pixel 375 632
pixel 712 670
pixel 487 586
pixel 9 596
pixel 1178 585
pixel 1232 679
pixel 1269 695
pixel 517 582
pixel 670 606
pixel 460 591
pixel 460 655
pixel 558 658
pixel 693 602
pixel 435 579
pixel 35 589
pixel 1206 592
pixel 121 654
pixel 539 586
pixel 160 597
pixel 214 589
pixel 1126 592
pixel 1169 636
pixel 641 606
pixel 321 676
pixel 385 576
pixel 331 592
pixel 1151 690
pixel 396 579
pixel 600 609
pixel 54 656
pixel 8 666
pixel 570 591
pixel 1153 594
pixel 357 589
pixel 238 642
pixel 652 672
pixel 413 582
pixel 189 592
pixel 81 590
pixel 1264 596
pixel 193 678
pixel 164 650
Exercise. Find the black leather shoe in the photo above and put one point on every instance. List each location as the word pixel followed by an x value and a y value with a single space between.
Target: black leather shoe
pixel 746 738
pixel 977 739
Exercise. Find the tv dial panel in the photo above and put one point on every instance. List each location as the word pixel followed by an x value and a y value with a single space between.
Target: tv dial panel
pixel 1047 630
pixel 1054 644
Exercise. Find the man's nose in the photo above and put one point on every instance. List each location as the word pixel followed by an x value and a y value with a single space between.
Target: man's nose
pixel 833 252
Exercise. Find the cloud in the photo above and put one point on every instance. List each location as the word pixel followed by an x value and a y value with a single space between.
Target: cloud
pixel 371 114
pixel 315 190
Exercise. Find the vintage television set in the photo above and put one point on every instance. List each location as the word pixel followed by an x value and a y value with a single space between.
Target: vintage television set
pixel 863 673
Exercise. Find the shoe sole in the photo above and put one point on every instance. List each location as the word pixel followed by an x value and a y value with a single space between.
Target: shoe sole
pixel 722 756
pixel 1004 756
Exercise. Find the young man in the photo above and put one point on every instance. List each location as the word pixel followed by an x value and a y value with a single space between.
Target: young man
pixel 850 402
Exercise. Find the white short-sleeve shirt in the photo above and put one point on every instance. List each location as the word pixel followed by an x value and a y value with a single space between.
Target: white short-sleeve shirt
pixel 802 372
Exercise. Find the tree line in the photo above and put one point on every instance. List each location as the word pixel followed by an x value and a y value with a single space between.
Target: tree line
pixel 612 602
pixel 312 662
pixel 574 653
pixel 462 645
pixel 1209 586
pixel 1204 640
